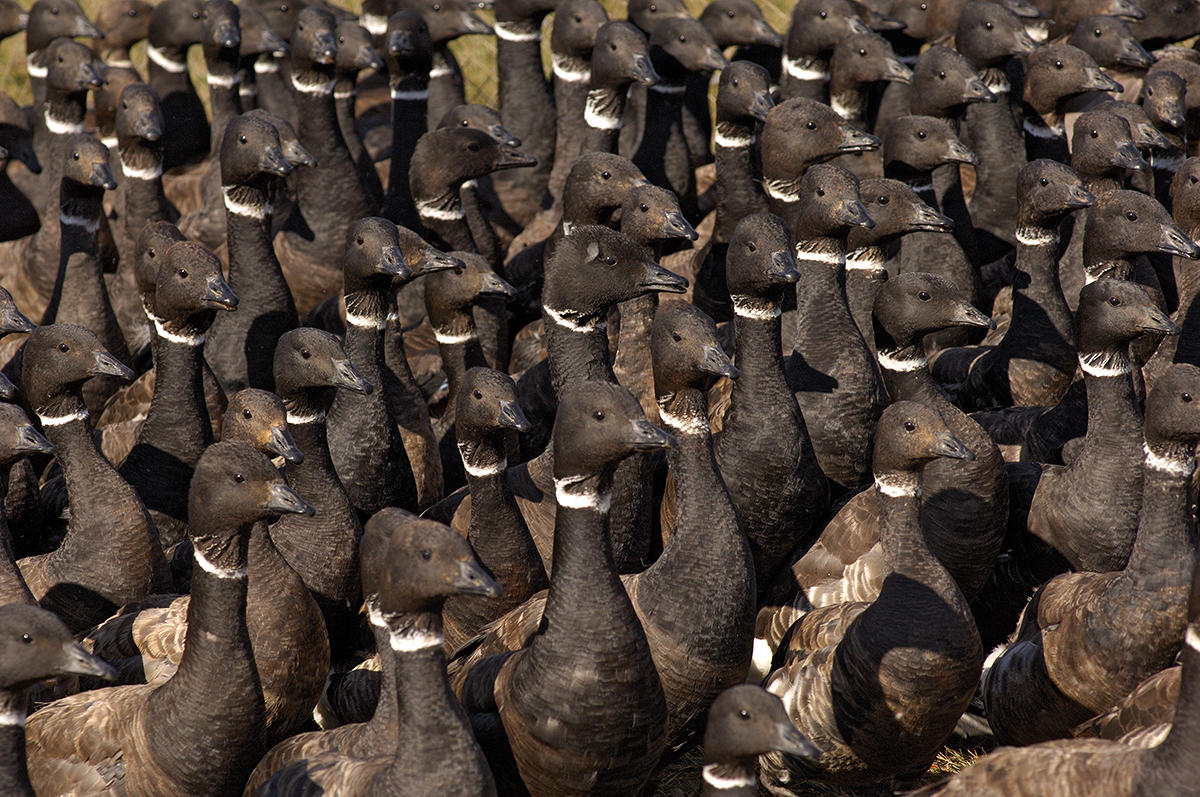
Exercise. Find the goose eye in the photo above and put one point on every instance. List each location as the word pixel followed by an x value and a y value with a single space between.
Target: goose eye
pixel 735 83
pixel 151 253
pixel 811 125
pixel 426 554
pixel 682 38
pixel 54 11
pixel 643 207
pixel 605 175
pixel 988 25
pixel 598 415
pixel 1094 134
pixel 124 105
pixel 239 478
pixel 823 14
pixel 283 8
pixel 862 51
pixel 26 638
pixel 473 146
pixel 341 39
pixel 921 134
pixel 653 8
pixel 133 12
pixel 923 296
pixel 437 7
pixel 183 273
pixel 477 394
pixel 909 426
pixel 610 261
pixel 1192 179
pixel 64 348
pixel 884 200
pixel 924 6
pixel 1186 397
pixel 1058 64
pixel 752 247
pixel 195 15
pixel 578 19
pixel 1096 33
pixel 730 14
pixel 1043 181
pixel 1149 92
pixel 247 414
pixel 241 139
pixel 359 240
pixel 675 337
pixel 75 155
pixel 744 714
pixel 1129 214
pixel 305 353
pixel 941 75
pixel 613 46
pixel 820 192
pixel 1114 301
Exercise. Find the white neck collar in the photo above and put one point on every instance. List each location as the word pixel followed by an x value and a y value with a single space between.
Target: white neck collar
pixel 480 471
pixel 219 572
pixel 683 424
pixel 166 62
pixel 59 127
pixel 84 223
pixel 782 190
pixel 568 69
pixel 668 88
pixel 135 173
pixel 898 486
pixel 511 32
pixel 174 337
pixel 569 497
pixel 1036 236
pixel 889 362
pixel 35 70
pixel 1173 466
pixel 246 209
pixel 807 250
pixel 59 420
pixel 723 783
pixel 755 309
pixel 324 87
pixel 450 338
pixel 563 319
pixel 1105 364
pixel 408 640
pixel 593 112
pixel 737 141
pixel 364 321
pixel 412 95
pixel 804 68
pixel 296 419
pixel 433 209
pixel 868 258
pixel 223 81
pixel 266 65
pixel 1040 129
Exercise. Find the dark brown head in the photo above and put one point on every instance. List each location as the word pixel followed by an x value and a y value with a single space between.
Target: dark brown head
pixel 445 159
pixel 896 210
pixel 1185 195
pixel 11 318
pixel 447 19
pixel 911 305
pixel 72 67
pixel 909 436
pixel 56 19
pixel 594 268
pixel 744 93
pixel 281 15
pixel 1125 223
pixel 1102 145
pixel 944 81
pixel 412 565
pixel 646 14
pixel 479 117
pixel 58 359
pixel 598 184
pixel 575 25
pixel 139 117
pixel 124 22
pixel 152 245
pixel 1110 43
pixel 828 204
pixel 1163 98
pixel 422 258
pixel 1186 68
pixel 36 645
pixel 686 352
pixel 1112 312
pixel 761 263
pixel 233 487
pixel 922 143
pixel 917 16
pixel 746 721
pixel 222 28
pixel 309 363
pixel 251 153
pixel 1145 134
pixel 258 417
pixel 454 291
pixel 373 258
pixel 190 288
pixel 314 45
pixel 681 46
pixel 1047 190
pixel 818 25
pixel 18 437
pixel 735 23
pixel 651 214
pixel 258 37
pixel 1166 21
pixel 355 51
pixel 293 151
pixel 409 47
pixel 800 132
pixel 487 406
pixel 598 425
pixel 866 58
pixel 85 162
pixel 989 34
pixel 177 24
pixel 1059 71
pixel 16 136
pixel 621 56
pixel 1173 410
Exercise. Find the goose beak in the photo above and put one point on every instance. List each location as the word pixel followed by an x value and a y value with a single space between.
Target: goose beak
pixel 391 263
pixel 855 26
pixel 30 441
pixel 285 500
pixel 473 24
pixel 83 29
pixel 853 214
pixel 791 741
pixel 345 375
pixel 102 177
pixel 857 141
pixel 493 285
pixel 1128 157
pixel 1156 321
pixel 324 50
pixel 274 45
pixel 512 158
pixel 1134 54
pixel 1147 135
pixel 273 162
pixel 927 219
pixel 896 71
pixel 645 436
pixel 510 416
pixel 433 260
pixel 282 443
pixel 7 388
pixel 401 42
pixel 1172 241
pixel 472 579
pixel 714 60
pixel 13 320
pixel 958 153
pixel 1080 197
pixel 762 105
pixel 220 294
pixel 367 58
pixel 765 35
pixel 1023 9
pixel 296 155
pixel 148 126
pixel 967 316
pixel 884 22
pixel 1174 115
pixel 658 279
pixel 227 36
pixel 951 447
pixel 1096 80
pixel 77 661
pixel 1023 43
pixel 677 227
pixel 503 136
pixel 783 268
pixel 717 363
pixel 1123 9
pixel 104 364
pixel 977 91
pixel 89 76
pixel 643 71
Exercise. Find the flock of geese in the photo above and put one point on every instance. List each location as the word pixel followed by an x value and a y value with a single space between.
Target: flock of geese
pixel 371 442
